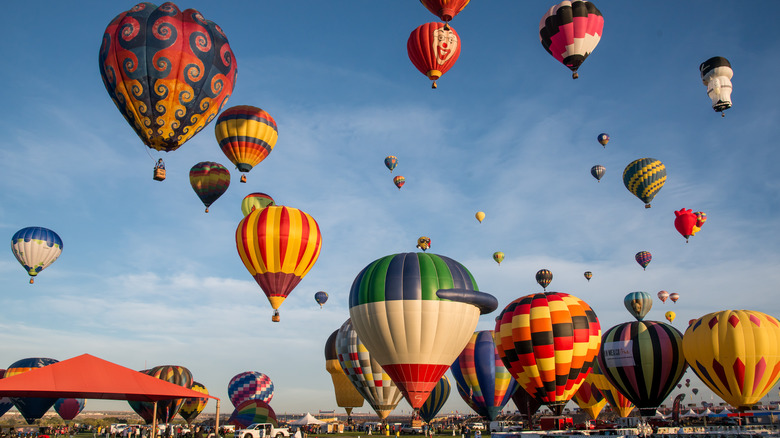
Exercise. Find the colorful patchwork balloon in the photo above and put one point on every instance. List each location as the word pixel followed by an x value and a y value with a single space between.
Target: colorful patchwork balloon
pixel 570 30
pixel 415 312
pixel 439 396
pixel 643 258
pixel 168 72
pixel 399 181
pixel 250 385
pixel 252 411
pixel 192 407
pixel 391 162
pixel 644 361
pixel 548 341
pixel 589 399
pixel 366 374
pixel 644 178
pixel 31 408
pixel 209 180
pixel 736 353
pixel 347 396
pixel 483 381
pixel 246 135
pixel 588 275
pixel 35 248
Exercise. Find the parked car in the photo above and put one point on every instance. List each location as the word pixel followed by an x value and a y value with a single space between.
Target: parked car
pixel 477 426
pixel 407 429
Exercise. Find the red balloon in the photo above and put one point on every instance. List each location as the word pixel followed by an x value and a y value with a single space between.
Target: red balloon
pixel 684 221
pixel 445 9
pixel 433 48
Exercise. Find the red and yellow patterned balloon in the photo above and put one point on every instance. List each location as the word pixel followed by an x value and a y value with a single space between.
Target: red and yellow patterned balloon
pixel 433 48
pixel 168 72
pixel 279 246
pixel 548 341
pixel 736 353
pixel 209 180
pixel 246 135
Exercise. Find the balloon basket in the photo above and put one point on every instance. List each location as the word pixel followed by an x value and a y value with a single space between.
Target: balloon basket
pixel 276 317
pixel 159 174
pixel 243 178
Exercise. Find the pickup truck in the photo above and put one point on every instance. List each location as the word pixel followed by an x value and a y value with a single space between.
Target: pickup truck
pixel 263 430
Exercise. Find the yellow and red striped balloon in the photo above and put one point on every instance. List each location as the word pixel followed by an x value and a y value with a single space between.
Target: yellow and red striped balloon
pixel 278 245
pixel 548 341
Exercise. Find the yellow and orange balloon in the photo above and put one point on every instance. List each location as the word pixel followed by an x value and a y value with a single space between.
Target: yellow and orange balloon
pixel 278 245
pixel 246 135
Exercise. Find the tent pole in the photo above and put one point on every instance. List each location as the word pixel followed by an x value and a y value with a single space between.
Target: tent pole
pixel 154 421
pixel 216 421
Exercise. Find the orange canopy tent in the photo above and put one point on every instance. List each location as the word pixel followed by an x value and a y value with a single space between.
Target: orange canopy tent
pixel 87 376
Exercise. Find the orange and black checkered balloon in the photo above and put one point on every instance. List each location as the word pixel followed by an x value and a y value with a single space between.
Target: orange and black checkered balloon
pixel 548 341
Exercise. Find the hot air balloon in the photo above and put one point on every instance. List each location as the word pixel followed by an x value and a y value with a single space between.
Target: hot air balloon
pixel 424 242
pixel 526 403
pixel 603 138
pixel 166 409
pixel 695 391
pixel 670 316
pixel 570 30
pixel 687 383
pixel 279 246
pixel 736 353
pixel 256 201
pixel 643 258
pixel 250 385
pixel 498 256
pixel 192 407
pixel 446 10
pixel 69 408
pixel 480 216
pixel 35 248
pixel 483 381
pixel 415 312
pixel 617 401
pixel 638 304
pixel 347 396
pixel 701 218
pixel 644 178
pixel 674 296
pixel 663 295
pixel 684 222
pixel 5 402
pixel 252 411
pixel 588 275
pixel 246 135
pixel 321 298
pixel 544 277
pixel 643 360
pixel 365 373
pixel 168 72
pixel 391 162
pixel 716 74
pixel 548 341
pixel 209 180
pixel 31 408
pixel 433 48
pixel 598 171
pixel 589 399
pixel 399 181
pixel 439 396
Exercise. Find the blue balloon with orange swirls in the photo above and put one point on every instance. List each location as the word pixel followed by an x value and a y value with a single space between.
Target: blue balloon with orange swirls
pixel 168 71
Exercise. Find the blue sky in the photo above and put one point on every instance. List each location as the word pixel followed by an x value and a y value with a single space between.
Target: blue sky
pixel 146 278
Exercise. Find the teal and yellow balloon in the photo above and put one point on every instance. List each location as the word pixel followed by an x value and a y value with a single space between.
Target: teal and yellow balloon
pixel 644 178
pixel 638 304
pixel 390 162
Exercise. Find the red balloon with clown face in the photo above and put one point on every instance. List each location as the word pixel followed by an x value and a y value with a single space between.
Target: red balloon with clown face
pixel 433 48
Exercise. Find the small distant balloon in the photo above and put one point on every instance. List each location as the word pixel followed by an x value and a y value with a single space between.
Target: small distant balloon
pixel 670 316
pixel 321 298
pixel 588 275
pixel 603 138
pixel 424 243
pixel 399 181
pixel 498 256
pixel 638 304
pixel 644 178
pixel 643 258
pixel 256 201
pixel 716 74
pixel 598 171
pixel 685 222
pixel 209 180
pixel 695 391
pixel 480 216
pixel 391 162
pixel 544 277
pixel 663 295
pixel 674 296
pixel 35 248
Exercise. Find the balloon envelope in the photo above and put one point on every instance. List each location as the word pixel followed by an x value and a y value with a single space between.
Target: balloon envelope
pixel 252 411
pixel 670 316
pixel 445 9
pixel 644 178
pixel 603 138
pixel 643 258
pixel 439 396
pixel 736 353
pixel 589 399
pixel 166 409
pixel 480 216
pixel 390 162
pixel 399 181
pixel 684 222
pixel 482 380
pixel 544 277
pixel 716 74
pixel 209 180
pixel 366 374
pixel 321 297
pixel 31 408
pixel 415 312
pixel 424 243
pixel 548 341
pixel 192 407
pixel 617 401
pixel 570 30
pixel 638 304
pixel 346 395
pixel 598 171
pixel 588 275
pixel 256 201
pixel 35 248
pixel 69 408
pixel 644 361
pixel 498 256
pixel 168 72
pixel 246 134
pixel 663 296
pixel 433 48
pixel 250 385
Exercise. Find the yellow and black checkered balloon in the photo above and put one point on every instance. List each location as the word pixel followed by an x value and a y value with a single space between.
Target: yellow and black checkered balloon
pixel 644 178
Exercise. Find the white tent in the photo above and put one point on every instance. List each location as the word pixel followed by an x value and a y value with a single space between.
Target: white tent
pixel 725 411
pixel 658 414
pixel 306 420
pixel 690 413
pixel 707 412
